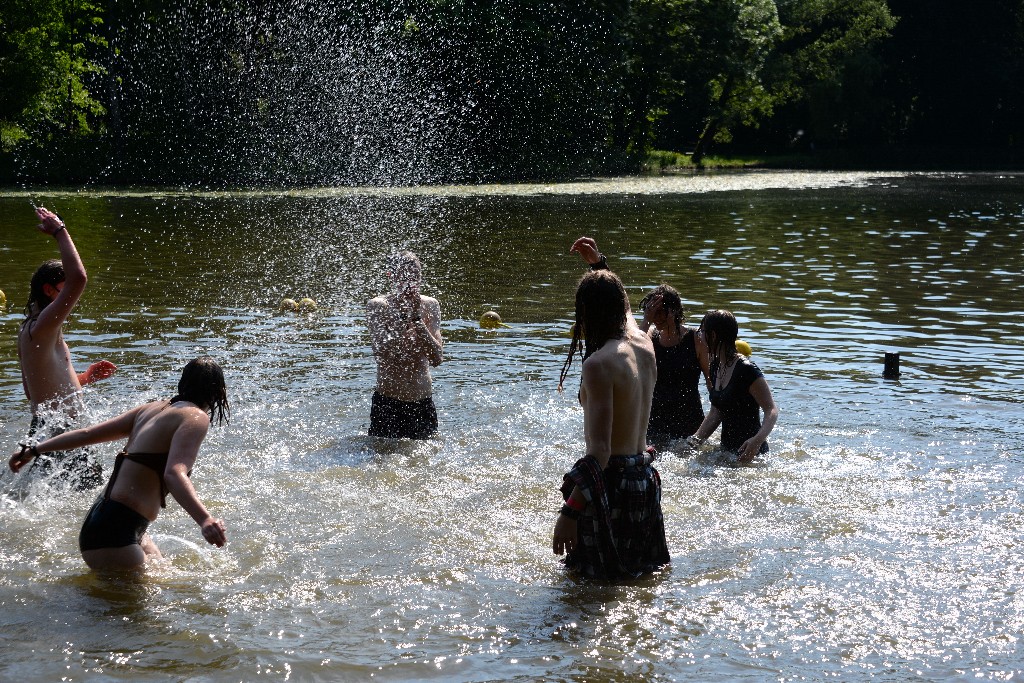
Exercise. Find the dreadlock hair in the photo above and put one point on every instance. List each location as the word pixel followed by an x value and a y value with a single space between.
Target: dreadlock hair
pixel 600 315
pixel 670 299
pixel 202 383
pixel 49 273
pixel 720 332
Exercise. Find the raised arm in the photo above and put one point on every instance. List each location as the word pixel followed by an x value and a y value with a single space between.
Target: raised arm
pixel 586 247
pixel 67 295
pixel 185 443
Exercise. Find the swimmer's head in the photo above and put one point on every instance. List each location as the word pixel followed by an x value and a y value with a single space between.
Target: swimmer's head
pixel 406 271
pixel 671 303
pixel 720 331
pixel 202 383
pixel 600 314
pixel 44 285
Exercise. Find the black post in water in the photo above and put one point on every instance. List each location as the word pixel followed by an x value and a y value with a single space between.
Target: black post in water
pixel 892 366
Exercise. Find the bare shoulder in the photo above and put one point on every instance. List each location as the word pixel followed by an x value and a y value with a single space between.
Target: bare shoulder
pixel 194 418
pixel 608 359
pixel 641 343
pixel 377 303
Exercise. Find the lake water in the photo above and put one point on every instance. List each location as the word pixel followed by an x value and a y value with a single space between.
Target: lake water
pixel 879 540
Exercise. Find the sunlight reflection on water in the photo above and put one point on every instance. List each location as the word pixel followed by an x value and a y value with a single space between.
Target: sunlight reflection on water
pixel 878 538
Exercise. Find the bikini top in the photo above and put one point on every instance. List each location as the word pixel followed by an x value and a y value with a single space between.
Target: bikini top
pixel 154 461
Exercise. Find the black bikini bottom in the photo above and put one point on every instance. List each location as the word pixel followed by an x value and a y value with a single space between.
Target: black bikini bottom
pixel 110 524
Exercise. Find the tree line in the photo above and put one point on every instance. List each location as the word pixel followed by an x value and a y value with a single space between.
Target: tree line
pixel 304 92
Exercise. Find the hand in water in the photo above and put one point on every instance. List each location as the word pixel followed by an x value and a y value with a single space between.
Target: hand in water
pixel 214 532
pixel 748 450
pixel 564 538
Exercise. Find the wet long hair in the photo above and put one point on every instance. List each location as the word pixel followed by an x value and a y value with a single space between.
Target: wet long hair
pixel 600 315
pixel 670 299
pixel 202 383
pixel 49 273
pixel 720 332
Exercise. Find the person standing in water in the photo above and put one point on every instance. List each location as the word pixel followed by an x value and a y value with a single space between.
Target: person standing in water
pixel 738 392
pixel 676 409
pixel 163 443
pixel 611 524
pixel 51 384
pixel 405 331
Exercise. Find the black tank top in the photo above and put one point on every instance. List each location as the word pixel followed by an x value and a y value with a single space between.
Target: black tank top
pixel 676 408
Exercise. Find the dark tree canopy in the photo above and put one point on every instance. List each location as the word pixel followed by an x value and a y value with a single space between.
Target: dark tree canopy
pixel 251 92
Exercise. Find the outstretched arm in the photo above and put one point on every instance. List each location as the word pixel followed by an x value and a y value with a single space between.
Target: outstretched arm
pixel 185 443
pixel 119 427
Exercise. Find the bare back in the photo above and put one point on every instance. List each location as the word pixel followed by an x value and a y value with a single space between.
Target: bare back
pixel 175 429
pixel 618 382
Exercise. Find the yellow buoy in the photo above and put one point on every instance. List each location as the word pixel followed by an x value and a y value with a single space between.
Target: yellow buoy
pixel 491 321
pixel 743 347
pixel 307 304
pixel 289 305
pixel 3 300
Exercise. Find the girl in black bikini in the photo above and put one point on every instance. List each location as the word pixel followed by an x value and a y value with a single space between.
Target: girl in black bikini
pixel 163 442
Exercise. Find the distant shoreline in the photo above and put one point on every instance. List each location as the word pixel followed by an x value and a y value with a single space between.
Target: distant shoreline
pixel 689 182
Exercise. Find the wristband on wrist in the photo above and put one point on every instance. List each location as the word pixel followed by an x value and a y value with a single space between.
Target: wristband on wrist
pixel 29 446
pixel 62 227
pixel 600 265
pixel 577 505
pixel 569 512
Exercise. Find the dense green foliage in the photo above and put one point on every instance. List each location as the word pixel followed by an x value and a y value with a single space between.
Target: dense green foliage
pixel 246 92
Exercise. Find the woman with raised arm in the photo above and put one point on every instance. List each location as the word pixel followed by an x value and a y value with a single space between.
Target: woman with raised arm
pixel 163 442
pixel 738 392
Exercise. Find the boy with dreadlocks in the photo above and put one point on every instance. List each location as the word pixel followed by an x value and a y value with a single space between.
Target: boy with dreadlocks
pixel 52 385
pixel 611 525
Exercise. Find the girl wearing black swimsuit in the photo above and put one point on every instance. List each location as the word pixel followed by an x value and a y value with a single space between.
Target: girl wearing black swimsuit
pixel 682 358
pixel 738 392
pixel 163 442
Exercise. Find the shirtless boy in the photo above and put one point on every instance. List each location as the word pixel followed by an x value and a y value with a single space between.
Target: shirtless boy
pixel 405 331
pixel 52 385
pixel 611 525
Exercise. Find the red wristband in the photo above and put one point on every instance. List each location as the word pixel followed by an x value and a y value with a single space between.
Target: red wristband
pixel 577 505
